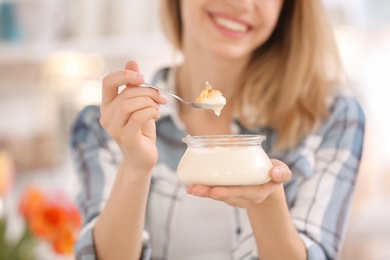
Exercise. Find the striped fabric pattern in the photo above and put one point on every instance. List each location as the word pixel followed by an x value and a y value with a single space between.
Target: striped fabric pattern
pixel 325 168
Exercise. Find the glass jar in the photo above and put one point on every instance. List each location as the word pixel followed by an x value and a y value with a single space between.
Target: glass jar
pixel 224 160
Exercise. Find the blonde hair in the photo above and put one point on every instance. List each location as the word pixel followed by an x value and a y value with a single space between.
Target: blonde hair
pixel 288 79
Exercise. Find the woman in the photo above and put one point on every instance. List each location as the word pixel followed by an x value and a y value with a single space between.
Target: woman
pixel 276 64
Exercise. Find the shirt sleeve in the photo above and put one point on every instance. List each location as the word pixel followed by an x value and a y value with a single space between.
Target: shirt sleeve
pixel 96 159
pixel 328 178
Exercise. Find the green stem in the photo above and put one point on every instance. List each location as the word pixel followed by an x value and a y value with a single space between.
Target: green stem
pixel 26 245
pixel 23 249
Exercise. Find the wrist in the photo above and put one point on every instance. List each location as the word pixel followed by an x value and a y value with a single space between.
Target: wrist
pixel 133 172
pixel 274 201
pixel 277 196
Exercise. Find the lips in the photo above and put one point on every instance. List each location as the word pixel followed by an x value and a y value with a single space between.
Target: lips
pixel 232 24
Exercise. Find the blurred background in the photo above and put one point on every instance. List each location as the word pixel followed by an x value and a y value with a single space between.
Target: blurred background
pixel 54 53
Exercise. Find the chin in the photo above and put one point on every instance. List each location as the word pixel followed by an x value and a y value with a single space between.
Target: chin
pixel 231 53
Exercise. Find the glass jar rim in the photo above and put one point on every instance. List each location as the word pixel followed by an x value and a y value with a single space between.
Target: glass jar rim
pixel 224 140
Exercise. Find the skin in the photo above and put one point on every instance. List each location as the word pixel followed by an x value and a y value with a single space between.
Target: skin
pixel 129 117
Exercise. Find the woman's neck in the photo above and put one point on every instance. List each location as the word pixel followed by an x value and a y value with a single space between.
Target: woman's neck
pixel 197 68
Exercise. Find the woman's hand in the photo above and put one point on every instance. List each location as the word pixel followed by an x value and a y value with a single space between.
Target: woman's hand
pixel 245 196
pixel 129 116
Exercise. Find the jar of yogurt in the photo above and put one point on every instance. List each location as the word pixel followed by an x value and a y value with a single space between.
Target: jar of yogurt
pixel 224 160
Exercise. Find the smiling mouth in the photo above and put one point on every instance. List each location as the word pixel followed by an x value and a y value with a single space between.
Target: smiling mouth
pixel 231 25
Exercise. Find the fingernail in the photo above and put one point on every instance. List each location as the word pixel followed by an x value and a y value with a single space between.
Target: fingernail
pixel 277 173
pixel 140 77
pixel 163 97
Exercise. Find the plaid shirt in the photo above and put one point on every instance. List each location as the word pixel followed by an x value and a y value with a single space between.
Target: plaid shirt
pixel 324 165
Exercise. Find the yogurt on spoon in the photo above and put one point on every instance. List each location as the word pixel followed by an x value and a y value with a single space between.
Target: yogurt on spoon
pixel 211 99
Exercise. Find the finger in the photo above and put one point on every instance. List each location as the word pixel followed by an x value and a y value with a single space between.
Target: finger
pixel 126 97
pixel 225 194
pixel 126 109
pixel 132 92
pixel 199 190
pixel 139 118
pixel 112 82
pixel 252 193
pixel 129 93
pixel 280 172
pixel 132 65
pixel 189 189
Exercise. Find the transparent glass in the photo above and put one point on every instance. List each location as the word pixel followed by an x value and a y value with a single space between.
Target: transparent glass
pixel 224 160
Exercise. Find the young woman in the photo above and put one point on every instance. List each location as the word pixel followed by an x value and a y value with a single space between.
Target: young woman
pixel 276 64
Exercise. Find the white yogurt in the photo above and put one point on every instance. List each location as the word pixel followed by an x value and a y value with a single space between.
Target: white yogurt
pixel 212 99
pixel 216 103
pixel 224 165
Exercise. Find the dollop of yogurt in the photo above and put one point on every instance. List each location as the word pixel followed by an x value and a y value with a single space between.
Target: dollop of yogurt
pixel 212 99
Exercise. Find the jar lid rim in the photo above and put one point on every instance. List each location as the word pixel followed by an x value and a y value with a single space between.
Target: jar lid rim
pixel 224 139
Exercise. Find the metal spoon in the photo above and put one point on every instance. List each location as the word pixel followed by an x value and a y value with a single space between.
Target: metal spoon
pixel 191 104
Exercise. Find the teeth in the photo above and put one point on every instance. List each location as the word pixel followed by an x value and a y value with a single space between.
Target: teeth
pixel 231 25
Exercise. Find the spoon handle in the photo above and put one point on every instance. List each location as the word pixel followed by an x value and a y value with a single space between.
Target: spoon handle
pixel 192 104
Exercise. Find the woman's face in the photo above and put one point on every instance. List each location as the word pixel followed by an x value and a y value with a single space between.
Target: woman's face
pixel 228 28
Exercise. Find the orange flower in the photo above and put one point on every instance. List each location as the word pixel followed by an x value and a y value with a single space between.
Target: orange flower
pixel 32 201
pixel 64 243
pixel 53 218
